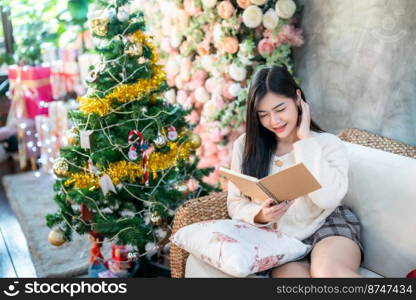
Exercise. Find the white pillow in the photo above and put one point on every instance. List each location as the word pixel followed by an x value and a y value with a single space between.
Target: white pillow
pixel 238 248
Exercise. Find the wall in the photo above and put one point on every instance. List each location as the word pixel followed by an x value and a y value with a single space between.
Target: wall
pixel 357 66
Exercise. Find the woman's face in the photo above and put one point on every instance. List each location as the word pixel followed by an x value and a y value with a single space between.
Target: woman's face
pixel 278 114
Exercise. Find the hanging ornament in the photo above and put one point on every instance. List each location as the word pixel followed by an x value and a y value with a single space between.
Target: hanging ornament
pixel 106 184
pixel 133 153
pixel 60 168
pixel 56 237
pixel 160 141
pixel 133 256
pixel 72 136
pixel 156 219
pixel 172 133
pixel 182 187
pixel 135 49
pixel 92 77
pixel 85 138
pixel 135 144
pixel 195 140
pixel 91 167
pixel 123 14
pixel 99 26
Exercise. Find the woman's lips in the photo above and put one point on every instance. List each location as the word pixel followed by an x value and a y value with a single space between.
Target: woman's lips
pixel 281 129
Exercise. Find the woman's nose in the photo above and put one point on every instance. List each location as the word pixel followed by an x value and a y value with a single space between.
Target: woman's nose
pixel 274 119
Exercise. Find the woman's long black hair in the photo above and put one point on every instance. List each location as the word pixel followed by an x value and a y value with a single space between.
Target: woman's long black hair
pixel 261 143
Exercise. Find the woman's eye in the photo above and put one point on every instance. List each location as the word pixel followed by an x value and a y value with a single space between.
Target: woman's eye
pixel 281 110
pixel 262 116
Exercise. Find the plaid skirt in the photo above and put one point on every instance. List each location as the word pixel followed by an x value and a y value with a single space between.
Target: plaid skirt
pixel 341 222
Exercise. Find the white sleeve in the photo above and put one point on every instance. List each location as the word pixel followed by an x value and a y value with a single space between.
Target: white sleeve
pixel 327 160
pixel 240 207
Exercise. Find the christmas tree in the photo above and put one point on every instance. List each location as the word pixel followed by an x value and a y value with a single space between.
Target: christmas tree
pixel 131 157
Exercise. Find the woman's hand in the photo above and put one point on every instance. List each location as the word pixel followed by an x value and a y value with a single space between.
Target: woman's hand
pixel 272 212
pixel 304 128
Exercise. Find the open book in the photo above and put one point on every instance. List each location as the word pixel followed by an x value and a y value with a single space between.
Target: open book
pixel 287 184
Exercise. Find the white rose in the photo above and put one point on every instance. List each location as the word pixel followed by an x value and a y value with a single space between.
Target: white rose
pixel 270 19
pixel 258 2
pixel 175 40
pixel 207 62
pixel 209 3
pixel 209 109
pixel 252 16
pixel 245 60
pixel 170 96
pixel 237 73
pixel 234 89
pixel 217 33
pixel 172 67
pixel 202 95
pixel 285 8
pixel 151 249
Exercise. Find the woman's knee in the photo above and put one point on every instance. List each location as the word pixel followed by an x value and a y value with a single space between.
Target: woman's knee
pixel 292 270
pixel 331 271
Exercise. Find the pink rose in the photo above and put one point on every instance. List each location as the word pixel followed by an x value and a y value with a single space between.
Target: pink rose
pixel 229 45
pixel 181 96
pixel 225 9
pixel 180 82
pixel 218 101
pixel 265 46
pixel 191 8
pixel 192 184
pixel 199 76
pixel 216 135
pixel 290 35
pixel 193 117
pixel 171 80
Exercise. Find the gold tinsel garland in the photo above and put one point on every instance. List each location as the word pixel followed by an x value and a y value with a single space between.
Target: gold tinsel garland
pixel 133 172
pixel 127 92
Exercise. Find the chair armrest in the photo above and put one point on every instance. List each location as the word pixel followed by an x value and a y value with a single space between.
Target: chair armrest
pixel 211 207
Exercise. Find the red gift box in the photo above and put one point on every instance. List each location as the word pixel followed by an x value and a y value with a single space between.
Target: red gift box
pixel 31 89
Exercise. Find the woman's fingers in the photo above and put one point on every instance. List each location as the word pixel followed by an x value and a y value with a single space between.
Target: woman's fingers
pixel 280 207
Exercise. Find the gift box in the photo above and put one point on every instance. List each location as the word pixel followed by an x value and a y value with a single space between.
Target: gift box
pixel 31 90
pixel 64 77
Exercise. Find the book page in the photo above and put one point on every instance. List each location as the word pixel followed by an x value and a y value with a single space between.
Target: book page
pixel 246 184
pixel 291 183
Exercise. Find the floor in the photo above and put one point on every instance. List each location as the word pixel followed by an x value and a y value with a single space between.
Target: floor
pixel 15 261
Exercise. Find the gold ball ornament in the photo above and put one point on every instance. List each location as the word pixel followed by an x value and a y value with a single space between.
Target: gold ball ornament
pixel 99 26
pixel 72 136
pixel 195 140
pixel 156 219
pixel 135 49
pixel 60 168
pixel 56 237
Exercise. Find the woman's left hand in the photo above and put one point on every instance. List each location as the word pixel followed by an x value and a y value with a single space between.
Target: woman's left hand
pixel 304 129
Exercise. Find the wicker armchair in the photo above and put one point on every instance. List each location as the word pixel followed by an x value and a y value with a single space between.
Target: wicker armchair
pixel 214 206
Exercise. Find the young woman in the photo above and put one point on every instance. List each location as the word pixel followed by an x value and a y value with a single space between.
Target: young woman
pixel 280 133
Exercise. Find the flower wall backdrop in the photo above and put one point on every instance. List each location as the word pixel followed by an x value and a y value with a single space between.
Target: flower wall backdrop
pixel 211 49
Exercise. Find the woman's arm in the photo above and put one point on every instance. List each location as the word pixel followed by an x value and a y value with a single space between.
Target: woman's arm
pixel 326 158
pixel 240 207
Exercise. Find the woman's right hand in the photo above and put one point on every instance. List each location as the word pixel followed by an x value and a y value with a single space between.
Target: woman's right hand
pixel 272 212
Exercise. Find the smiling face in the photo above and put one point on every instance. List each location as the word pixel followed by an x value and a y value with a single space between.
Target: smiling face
pixel 278 114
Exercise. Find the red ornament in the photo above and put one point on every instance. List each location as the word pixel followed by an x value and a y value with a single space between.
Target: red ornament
pixel 412 274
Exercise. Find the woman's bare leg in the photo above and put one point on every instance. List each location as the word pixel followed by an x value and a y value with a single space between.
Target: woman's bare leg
pixel 335 256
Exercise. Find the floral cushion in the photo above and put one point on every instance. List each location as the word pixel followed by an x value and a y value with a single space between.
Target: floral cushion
pixel 238 248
